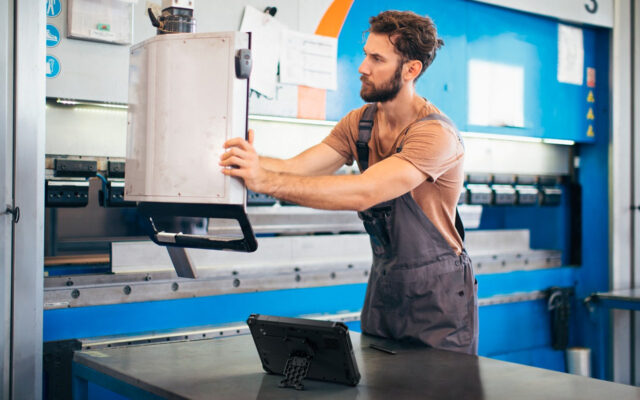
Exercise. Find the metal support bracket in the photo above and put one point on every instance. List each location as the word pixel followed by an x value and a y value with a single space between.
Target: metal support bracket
pixel 181 262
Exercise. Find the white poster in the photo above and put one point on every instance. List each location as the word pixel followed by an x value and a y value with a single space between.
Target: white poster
pixel 570 55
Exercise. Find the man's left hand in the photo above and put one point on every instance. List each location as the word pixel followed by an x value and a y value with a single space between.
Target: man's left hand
pixel 241 160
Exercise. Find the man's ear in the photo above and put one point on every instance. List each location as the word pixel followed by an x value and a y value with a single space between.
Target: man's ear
pixel 412 69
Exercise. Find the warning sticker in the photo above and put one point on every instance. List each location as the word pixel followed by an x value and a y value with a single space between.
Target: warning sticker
pixel 590 97
pixel 590 115
pixel 590 132
pixel 591 77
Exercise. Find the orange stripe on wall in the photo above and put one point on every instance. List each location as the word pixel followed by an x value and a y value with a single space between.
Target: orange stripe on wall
pixel 333 19
pixel 312 102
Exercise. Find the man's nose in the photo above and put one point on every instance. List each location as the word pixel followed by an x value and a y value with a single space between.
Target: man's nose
pixel 364 68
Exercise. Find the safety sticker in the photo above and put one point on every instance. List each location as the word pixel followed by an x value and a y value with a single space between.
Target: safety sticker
pixel 52 67
pixel 590 132
pixel 53 8
pixel 590 115
pixel 53 36
pixel 590 97
pixel 591 77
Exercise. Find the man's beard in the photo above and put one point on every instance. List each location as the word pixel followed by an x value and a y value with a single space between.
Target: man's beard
pixel 386 92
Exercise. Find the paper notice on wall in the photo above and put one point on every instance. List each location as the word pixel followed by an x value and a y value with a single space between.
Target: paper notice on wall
pixel 102 20
pixel 570 55
pixel 266 37
pixel 310 60
pixel 496 94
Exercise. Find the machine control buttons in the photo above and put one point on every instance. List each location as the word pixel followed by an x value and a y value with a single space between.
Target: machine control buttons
pixel 112 195
pixel 504 194
pixel 527 195
pixel 480 194
pixel 551 196
pixel 464 197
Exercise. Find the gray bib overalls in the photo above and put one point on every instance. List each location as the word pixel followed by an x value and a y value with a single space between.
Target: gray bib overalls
pixel 419 288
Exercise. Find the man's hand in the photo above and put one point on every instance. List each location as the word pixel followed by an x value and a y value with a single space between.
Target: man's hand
pixel 242 161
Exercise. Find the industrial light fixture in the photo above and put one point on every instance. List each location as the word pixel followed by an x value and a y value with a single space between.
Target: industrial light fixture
pixel 513 138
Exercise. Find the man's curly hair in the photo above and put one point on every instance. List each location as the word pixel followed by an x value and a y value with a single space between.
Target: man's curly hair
pixel 414 37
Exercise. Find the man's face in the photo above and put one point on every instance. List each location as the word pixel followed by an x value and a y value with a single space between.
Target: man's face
pixel 381 70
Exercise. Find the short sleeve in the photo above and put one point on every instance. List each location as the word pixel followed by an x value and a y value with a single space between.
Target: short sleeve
pixel 432 147
pixel 341 137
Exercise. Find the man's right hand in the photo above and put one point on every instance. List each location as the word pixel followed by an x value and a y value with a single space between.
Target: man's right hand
pixel 242 161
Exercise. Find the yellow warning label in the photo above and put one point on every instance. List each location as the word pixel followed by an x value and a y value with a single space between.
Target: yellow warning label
pixel 590 114
pixel 590 132
pixel 590 97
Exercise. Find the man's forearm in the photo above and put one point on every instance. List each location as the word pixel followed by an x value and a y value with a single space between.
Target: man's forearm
pixel 274 164
pixel 338 192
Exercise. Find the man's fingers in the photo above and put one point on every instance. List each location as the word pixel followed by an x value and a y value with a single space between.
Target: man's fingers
pixel 232 172
pixel 237 152
pixel 234 161
pixel 234 151
pixel 237 142
pixel 250 136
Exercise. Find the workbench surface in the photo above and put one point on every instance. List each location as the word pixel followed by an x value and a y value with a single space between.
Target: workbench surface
pixel 229 368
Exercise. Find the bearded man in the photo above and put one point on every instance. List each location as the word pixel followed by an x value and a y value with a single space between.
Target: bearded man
pixel 421 286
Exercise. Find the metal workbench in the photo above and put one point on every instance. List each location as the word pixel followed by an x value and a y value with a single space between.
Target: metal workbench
pixel 229 368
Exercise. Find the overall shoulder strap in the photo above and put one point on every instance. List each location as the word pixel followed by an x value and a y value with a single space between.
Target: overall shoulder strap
pixel 364 135
pixel 446 120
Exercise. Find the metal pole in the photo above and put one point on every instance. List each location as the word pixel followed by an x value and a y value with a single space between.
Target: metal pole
pixel 6 191
pixel 621 187
pixel 28 251
pixel 635 101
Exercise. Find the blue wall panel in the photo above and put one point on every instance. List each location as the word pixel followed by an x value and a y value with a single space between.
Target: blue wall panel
pixel 514 327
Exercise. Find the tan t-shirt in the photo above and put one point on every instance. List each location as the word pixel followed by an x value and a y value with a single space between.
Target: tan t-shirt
pixel 432 147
